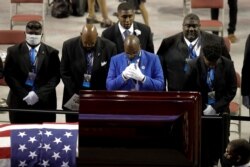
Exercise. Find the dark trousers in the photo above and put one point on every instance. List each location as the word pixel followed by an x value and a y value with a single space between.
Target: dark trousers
pixel 214 139
pixel 71 118
pixel 233 9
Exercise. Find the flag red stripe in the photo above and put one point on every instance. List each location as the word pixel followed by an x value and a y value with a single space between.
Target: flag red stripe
pixel 3 125
pixel 5 133
pixel 5 152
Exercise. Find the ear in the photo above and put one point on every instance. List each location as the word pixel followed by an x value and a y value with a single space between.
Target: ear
pixel 238 159
pixel 42 38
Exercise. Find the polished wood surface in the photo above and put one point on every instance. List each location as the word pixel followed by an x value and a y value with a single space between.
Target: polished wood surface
pixel 139 122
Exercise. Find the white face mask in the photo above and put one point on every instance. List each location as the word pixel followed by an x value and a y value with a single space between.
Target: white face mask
pixel 33 39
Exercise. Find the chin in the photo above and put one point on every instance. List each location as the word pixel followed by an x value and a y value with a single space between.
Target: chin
pixel 127 26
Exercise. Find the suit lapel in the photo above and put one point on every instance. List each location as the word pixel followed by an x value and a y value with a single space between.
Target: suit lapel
pixel 136 27
pixel 182 46
pixel 219 72
pixel 124 62
pixel 25 57
pixel 202 72
pixel 119 39
pixel 80 56
pixel 40 57
pixel 97 55
pixel 143 61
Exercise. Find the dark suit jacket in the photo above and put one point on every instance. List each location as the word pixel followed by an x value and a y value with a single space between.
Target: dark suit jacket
pixel 225 85
pixel 113 34
pixel 73 65
pixel 245 82
pixel 17 67
pixel 173 52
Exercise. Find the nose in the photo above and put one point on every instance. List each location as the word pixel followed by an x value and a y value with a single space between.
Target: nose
pixel 127 19
pixel 191 28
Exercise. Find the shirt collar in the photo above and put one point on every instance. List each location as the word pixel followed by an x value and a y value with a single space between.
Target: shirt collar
pixel 122 29
pixel 193 43
pixel 36 48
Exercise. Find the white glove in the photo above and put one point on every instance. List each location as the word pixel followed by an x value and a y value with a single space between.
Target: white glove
pixel 126 74
pixel 137 74
pixel 209 110
pixel 245 101
pixel 31 98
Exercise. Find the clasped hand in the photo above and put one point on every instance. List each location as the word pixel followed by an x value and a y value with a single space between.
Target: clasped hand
pixel 133 71
pixel 31 98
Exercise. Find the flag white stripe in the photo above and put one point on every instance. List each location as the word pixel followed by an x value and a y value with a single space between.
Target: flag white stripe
pixel 17 127
pixel 5 142
pixel 61 126
pixel 5 162
pixel 40 126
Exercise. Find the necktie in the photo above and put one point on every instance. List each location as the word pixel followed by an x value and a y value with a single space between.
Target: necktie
pixel 210 83
pixel 210 77
pixel 192 51
pixel 126 33
pixel 89 62
pixel 32 56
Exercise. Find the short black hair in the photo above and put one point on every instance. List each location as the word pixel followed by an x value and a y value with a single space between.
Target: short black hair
pixel 125 6
pixel 241 147
pixel 191 16
pixel 212 52
pixel 34 25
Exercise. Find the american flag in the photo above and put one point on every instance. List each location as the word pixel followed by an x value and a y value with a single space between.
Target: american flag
pixel 41 145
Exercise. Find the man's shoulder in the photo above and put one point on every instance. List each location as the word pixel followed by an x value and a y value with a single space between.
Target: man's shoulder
pixel 173 38
pixel 72 40
pixel 149 55
pixel 118 56
pixel 17 46
pixel 110 29
pixel 141 25
pixel 48 47
pixel 209 36
pixel 225 60
pixel 107 42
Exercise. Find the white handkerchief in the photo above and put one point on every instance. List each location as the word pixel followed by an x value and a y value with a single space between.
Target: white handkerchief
pixel 103 63
pixel 3 55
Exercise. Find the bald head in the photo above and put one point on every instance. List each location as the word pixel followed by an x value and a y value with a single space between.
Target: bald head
pixel 132 46
pixel 89 36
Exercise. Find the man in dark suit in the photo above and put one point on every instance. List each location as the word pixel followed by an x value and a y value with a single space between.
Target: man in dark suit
pixel 127 26
pixel 245 82
pixel 84 64
pixel 214 76
pixel 32 71
pixel 177 50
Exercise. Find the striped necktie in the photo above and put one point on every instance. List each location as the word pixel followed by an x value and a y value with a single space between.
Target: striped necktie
pixel 192 52
pixel 89 62
pixel 126 33
pixel 32 56
pixel 210 78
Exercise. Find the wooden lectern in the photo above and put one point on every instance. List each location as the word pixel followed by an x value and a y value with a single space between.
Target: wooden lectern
pixel 121 128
